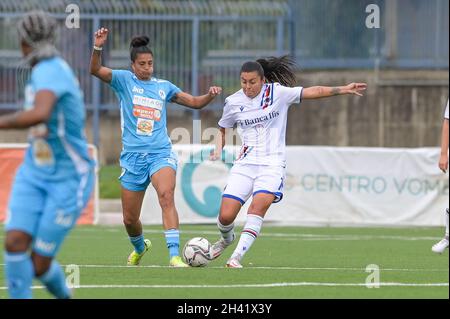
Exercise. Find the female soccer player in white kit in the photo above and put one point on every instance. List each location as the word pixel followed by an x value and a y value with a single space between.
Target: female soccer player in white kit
pixel 259 110
pixel 441 246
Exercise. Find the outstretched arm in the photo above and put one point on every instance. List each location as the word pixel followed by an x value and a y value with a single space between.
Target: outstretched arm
pixel 220 143
pixel 103 73
pixel 317 92
pixel 40 113
pixel 443 160
pixel 196 102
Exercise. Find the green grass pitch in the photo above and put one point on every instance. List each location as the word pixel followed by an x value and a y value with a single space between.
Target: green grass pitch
pixel 284 263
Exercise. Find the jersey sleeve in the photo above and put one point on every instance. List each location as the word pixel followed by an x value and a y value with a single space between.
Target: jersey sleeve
pixel 119 79
pixel 227 120
pixel 290 95
pixel 47 77
pixel 446 112
pixel 172 90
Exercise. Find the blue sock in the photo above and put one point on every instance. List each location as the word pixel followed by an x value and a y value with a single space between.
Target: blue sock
pixel 55 281
pixel 19 272
pixel 138 243
pixel 173 241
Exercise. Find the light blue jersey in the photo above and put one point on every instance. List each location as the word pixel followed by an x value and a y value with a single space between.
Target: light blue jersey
pixel 55 181
pixel 147 148
pixel 58 149
pixel 143 112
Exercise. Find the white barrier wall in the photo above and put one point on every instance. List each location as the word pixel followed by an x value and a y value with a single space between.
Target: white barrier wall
pixel 324 186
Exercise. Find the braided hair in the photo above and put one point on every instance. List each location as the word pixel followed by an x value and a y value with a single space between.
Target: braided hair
pixel 38 30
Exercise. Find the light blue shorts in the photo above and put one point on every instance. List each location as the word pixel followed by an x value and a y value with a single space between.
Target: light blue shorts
pixel 138 168
pixel 47 211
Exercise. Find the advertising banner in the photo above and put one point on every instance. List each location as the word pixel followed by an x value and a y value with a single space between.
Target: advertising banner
pixel 324 186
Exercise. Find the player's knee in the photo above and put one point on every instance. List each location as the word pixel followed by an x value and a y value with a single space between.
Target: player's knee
pixel 257 209
pixel 226 220
pixel 166 198
pixel 130 219
pixel 16 242
pixel 41 264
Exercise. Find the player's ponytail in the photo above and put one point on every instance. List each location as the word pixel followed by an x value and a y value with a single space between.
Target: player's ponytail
pixel 281 70
pixel 139 45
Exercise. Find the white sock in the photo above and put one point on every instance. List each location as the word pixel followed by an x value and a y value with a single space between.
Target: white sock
pixel 250 232
pixel 446 224
pixel 227 231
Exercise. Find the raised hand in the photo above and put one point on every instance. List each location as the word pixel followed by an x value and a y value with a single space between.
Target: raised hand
pixel 100 37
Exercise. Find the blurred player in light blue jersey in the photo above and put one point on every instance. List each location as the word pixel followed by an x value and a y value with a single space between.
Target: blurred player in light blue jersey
pixel 54 183
pixel 147 155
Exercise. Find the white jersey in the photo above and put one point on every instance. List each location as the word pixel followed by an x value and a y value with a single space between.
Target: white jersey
pixel 446 112
pixel 261 123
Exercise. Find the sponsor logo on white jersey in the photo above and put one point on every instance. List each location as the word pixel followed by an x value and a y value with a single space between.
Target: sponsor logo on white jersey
pixel 260 119
pixel 138 90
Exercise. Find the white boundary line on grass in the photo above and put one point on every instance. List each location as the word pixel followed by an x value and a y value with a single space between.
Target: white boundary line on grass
pixel 305 236
pixel 270 268
pixel 272 285
pixel 274 268
pixel 319 238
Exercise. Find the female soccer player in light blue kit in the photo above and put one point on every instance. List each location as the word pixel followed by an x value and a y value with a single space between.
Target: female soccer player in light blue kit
pixel 55 181
pixel 147 150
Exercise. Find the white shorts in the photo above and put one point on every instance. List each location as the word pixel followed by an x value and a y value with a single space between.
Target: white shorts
pixel 246 180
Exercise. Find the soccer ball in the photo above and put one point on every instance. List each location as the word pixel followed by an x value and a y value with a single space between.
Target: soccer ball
pixel 197 252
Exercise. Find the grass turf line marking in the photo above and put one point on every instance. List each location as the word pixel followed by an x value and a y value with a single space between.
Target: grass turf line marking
pixel 269 268
pixel 285 235
pixel 272 285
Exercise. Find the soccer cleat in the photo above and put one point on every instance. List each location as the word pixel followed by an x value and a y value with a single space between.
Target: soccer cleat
pixel 440 247
pixel 134 259
pixel 177 262
pixel 233 263
pixel 218 248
